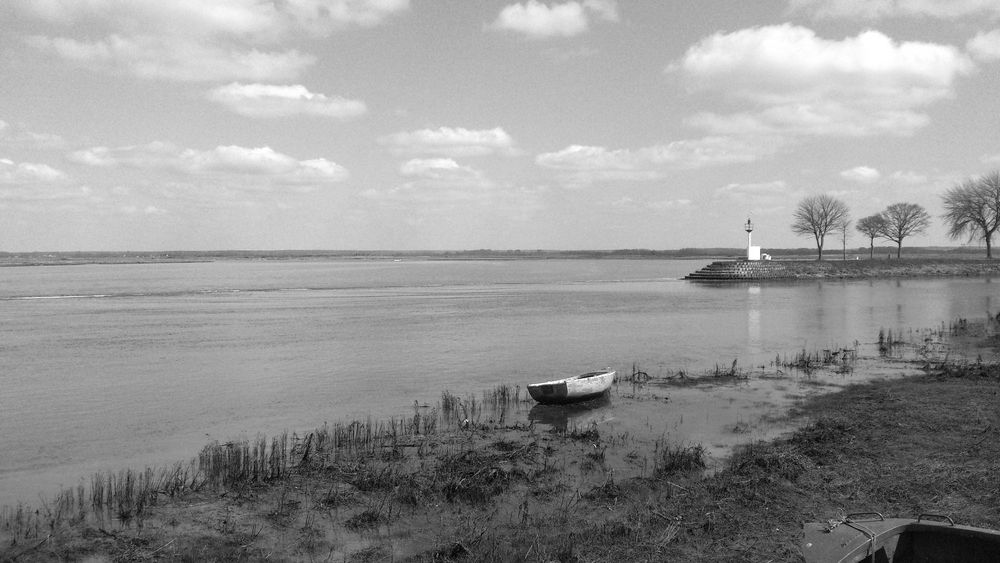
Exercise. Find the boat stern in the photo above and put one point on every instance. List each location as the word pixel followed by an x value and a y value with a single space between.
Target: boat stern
pixel 554 392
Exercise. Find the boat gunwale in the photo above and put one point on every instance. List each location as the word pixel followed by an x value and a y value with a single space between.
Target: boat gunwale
pixel 588 375
pixel 875 534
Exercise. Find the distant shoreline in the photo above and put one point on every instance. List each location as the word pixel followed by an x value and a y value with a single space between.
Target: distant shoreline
pixel 826 268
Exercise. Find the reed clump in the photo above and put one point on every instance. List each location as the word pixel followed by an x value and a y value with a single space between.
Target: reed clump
pixel 888 342
pixel 732 372
pixel 841 359
pixel 637 376
pixel 503 396
pixel 669 459
pixel 123 496
pixel 241 463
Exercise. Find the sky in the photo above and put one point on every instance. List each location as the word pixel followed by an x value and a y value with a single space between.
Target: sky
pixel 459 124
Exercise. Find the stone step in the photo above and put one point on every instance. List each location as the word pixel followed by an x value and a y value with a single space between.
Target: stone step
pixel 739 270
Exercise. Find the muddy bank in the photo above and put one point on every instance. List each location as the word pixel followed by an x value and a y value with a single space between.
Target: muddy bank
pixel 474 480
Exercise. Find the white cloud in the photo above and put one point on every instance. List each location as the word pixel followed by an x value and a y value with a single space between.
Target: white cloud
pixel 15 136
pixel 584 165
pixel 669 204
pixel 434 168
pixel 28 173
pixel 451 141
pixel 874 9
pixel 436 181
pixel 262 163
pixel 630 203
pixel 798 83
pixel 777 188
pixel 537 20
pixel 94 156
pixel 909 178
pixel 25 182
pixel 579 157
pixel 985 46
pixel 179 60
pixel 990 158
pixel 249 19
pixel 266 100
pixel 188 40
pixel 861 174
pixel 442 190
pixel 758 198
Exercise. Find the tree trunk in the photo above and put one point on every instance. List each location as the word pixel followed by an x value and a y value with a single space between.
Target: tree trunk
pixel 871 249
pixel 899 249
pixel 989 249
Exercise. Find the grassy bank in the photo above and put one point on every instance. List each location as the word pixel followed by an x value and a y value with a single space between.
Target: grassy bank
pixel 459 483
pixel 890 268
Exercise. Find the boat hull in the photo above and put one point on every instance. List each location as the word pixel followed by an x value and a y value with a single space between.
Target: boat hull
pixel 898 540
pixel 572 389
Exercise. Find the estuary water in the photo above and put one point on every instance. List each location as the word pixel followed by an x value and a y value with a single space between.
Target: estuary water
pixel 110 366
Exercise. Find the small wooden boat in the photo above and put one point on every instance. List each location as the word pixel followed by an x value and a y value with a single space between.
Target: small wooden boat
pixel 573 389
pixel 870 537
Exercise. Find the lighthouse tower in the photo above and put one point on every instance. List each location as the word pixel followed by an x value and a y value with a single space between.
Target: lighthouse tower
pixel 753 252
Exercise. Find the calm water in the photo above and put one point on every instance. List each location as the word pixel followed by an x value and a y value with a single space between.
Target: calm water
pixel 108 366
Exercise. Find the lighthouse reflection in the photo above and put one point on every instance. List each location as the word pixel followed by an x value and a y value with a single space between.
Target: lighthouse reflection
pixel 754 342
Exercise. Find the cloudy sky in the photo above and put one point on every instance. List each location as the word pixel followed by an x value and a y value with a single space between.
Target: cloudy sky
pixel 456 124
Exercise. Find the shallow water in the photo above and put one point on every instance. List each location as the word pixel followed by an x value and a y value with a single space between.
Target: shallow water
pixel 110 366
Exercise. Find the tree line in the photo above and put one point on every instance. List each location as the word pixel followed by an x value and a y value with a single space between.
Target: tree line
pixel 972 211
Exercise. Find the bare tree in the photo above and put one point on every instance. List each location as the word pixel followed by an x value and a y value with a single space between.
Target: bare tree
pixel 872 227
pixel 972 209
pixel 843 233
pixel 903 220
pixel 819 215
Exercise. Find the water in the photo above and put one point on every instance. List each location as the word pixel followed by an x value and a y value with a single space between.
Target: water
pixel 111 366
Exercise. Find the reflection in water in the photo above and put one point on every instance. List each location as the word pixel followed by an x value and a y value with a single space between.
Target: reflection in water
pixel 753 319
pixel 585 413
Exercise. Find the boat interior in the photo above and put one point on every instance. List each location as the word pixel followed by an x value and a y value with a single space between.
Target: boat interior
pixel 909 541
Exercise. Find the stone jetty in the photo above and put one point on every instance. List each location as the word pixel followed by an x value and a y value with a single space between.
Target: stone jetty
pixel 740 270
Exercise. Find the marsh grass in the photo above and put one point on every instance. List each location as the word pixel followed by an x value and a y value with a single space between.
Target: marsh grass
pixel 496 494
pixel 840 360
pixel 733 371
pixel 670 459
pixel 503 396
pixel 241 463
pixel 888 343
pixel 377 513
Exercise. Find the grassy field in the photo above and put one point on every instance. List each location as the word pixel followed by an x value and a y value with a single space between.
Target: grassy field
pixel 455 484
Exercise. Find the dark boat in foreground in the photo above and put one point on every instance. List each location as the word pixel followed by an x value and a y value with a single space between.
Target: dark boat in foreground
pixel 870 537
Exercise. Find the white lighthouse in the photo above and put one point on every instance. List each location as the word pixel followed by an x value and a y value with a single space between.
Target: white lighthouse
pixel 753 252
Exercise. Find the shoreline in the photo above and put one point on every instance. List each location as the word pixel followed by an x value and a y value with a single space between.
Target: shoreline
pixel 763 271
pixel 798 258
pixel 892 268
pixel 495 490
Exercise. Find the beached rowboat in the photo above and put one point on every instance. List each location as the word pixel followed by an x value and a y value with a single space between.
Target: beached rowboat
pixel 573 389
pixel 870 537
